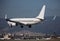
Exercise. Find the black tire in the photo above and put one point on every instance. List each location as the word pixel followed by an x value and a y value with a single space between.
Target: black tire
pixel 29 26
pixel 21 26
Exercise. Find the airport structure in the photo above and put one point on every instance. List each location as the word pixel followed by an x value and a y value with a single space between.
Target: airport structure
pixel 24 34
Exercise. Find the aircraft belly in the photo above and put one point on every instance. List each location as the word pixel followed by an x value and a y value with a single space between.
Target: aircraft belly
pixel 26 23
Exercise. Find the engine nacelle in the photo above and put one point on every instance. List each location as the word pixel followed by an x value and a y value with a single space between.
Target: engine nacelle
pixel 11 24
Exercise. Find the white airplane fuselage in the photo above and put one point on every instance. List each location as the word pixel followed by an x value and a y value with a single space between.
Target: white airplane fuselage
pixel 26 21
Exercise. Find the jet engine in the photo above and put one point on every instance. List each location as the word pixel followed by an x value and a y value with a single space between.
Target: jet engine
pixel 11 24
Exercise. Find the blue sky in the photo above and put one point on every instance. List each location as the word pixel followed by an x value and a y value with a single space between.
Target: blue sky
pixel 28 8
pixel 31 8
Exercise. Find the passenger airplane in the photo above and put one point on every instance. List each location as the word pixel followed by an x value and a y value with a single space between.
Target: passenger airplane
pixel 26 21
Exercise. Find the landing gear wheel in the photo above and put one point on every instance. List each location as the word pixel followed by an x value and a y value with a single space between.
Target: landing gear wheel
pixel 21 26
pixel 29 26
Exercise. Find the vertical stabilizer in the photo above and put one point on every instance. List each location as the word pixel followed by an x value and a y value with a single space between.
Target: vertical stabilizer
pixel 41 14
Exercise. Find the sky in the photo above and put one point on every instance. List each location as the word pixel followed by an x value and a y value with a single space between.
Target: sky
pixel 31 8
pixel 28 8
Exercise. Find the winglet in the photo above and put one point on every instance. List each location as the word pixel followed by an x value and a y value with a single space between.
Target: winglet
pixel 41 14
pixel 54 17
pixel 5 16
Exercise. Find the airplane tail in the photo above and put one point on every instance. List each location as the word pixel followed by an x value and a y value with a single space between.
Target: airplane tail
pixel 41 14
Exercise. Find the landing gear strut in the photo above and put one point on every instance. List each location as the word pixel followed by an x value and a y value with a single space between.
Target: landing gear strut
pixel 29 26
pixel 11 26
pixel 16 24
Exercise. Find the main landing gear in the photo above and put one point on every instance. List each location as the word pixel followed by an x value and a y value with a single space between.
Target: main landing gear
pixel 27 25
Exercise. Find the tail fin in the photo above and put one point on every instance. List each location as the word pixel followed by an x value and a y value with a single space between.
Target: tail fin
pixel 5 16
pixel 41 14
